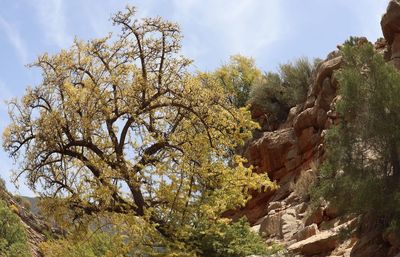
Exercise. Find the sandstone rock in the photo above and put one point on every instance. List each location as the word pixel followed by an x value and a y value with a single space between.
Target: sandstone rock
pixel 329 224
pixel 323 242
pixel 274 206
pixel 290 224
pixel 271 226
pixel 390 22
pixel 326 69
pixel 328 92
pixel 268 152
pixel 306 232
pixel 294 111
pixel 310 102
pixel 305 119
pixel 307 139
pixel 331 211
pixel 255 229
pixel 321 118
pixel 316 217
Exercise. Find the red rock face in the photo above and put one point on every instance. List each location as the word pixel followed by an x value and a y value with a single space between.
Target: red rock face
pixel 390 24
pixel 285 152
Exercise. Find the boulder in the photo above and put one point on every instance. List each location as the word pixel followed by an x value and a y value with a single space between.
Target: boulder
pixel 271 226
pixel 390 22
pixel 317 216
pixel 306 232
pixel 320 243
pixel 305 119
pixel 290 224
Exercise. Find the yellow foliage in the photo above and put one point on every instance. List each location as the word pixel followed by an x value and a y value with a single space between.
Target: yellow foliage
pixel 119 129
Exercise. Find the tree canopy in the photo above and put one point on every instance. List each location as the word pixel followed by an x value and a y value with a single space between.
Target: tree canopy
pixel 118 128
pixel 238 77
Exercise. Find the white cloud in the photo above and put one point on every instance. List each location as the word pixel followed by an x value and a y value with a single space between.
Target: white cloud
pixel 232 26
pixel 52 18
pixel 15 39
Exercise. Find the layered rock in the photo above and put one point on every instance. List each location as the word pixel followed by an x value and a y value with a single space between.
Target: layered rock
pixel 390 24
pixel 286 153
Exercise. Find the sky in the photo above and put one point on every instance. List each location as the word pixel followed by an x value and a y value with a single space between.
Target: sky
pixel 271 31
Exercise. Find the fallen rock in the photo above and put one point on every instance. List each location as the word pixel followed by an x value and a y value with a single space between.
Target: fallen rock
pixel 323 242
pixel 317 216
pixel 306 232
pixel 271 226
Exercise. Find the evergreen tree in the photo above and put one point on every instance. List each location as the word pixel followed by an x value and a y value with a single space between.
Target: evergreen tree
pixel 361 173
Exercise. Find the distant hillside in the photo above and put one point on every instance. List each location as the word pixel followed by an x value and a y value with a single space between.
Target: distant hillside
pixel 33 201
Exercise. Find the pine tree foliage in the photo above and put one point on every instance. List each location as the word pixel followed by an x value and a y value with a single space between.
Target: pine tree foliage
pixel 361 173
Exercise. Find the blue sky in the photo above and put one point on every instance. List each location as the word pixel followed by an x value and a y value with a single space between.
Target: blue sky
pixel 271 31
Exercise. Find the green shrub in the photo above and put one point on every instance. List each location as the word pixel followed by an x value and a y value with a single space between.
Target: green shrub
pixel 276 93
pixel 93 244
pixel 228 240
pixel 13 240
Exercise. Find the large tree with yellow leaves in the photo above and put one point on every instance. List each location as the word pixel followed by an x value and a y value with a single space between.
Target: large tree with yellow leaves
pixel 119 130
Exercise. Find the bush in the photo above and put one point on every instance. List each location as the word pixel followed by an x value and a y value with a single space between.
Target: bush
pixel 13 240
pixel 94 244
pixel 278 92
pixel 228 240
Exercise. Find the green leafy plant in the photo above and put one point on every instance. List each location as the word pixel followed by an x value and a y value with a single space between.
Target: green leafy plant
pixel 228 239
pixel 13 240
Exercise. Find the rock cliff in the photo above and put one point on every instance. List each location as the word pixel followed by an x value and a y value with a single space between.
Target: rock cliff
pixel 297 148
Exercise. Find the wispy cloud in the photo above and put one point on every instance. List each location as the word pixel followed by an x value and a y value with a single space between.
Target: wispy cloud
pixel 368 13
pixel 233 26
pixel 52 18
pixel 15 39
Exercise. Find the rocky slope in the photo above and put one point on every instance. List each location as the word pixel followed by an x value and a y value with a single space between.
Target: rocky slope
pixel 36 228
pixel 297 146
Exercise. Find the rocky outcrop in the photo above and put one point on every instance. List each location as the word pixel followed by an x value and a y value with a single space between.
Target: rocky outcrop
pixel 390 24
pixel 286 153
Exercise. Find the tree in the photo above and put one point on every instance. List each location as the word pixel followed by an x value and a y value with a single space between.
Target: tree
pixel 13 240
pixel 361 173
pixel 238 77
pixel 119 129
